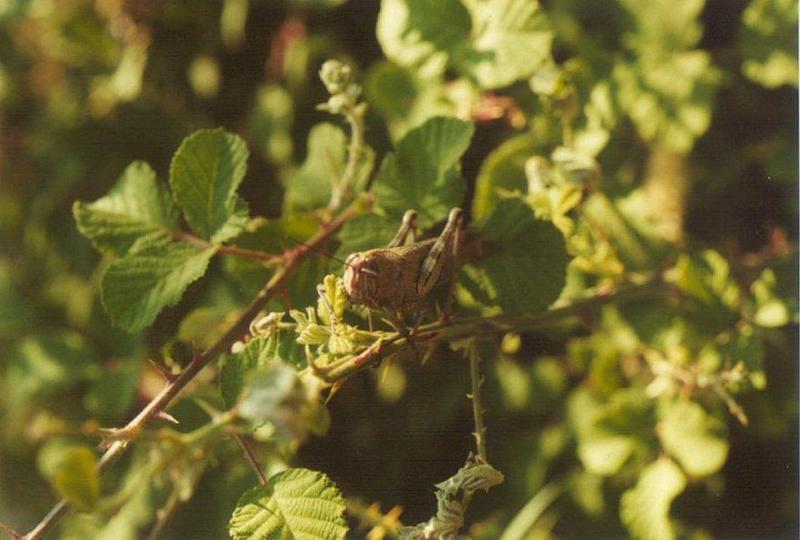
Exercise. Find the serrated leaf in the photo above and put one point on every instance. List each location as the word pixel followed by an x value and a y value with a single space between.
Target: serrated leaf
pixel 364 232
pixel 769 42
pixel 136 206
pixel 73 472
pixel 423 173
pixel 693 437
pixel 260 352
pixel 644 509
pixel 152 276
pixel 526 268
pixel 510 40
pixel 204 174
pixel 297 503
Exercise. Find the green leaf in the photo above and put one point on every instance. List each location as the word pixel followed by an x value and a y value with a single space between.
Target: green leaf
pixel 136 206
pixel 153 275
pixel 73 472
pixel 364 232
pixel 668 98
pixel 423 173
pixel 769 42
pixel 503 170
pixel 611 432
pixel 42 365
pixel 775 295
pixel 510 40
pixel 419 33
pixel 692 436
pixel 527 265
pixel 114 389
pixel 260 352
pixel 297 503
pixel 266 392
pixel 310 186
pixel 644 509
pixel 204 174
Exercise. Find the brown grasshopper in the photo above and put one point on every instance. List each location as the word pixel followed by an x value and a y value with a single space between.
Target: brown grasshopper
pixel 397 278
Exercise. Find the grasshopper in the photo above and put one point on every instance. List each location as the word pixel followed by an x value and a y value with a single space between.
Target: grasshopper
pixel 397 278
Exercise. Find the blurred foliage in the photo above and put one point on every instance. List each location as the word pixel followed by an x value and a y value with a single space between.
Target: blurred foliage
pixel 629 175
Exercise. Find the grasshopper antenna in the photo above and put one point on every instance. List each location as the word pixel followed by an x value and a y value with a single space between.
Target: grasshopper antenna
pixel 318 250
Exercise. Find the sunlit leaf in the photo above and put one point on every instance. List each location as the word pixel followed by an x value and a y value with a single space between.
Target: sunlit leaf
pixel 644 509
pixel 297 503
pixel 769 42
pixel 136 206
pixel 693 437
pixel 205 172
pixel 136 287
pixel 73 472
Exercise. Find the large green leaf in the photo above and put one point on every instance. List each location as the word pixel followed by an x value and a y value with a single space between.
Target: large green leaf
pixel 295 504
pixel 423 173
pixel 510 40
pixel 153 275
pixel 526 268
pixel 769 42
pixel 644 509
pixel 204 174
pixel 693 437
pixel 136 206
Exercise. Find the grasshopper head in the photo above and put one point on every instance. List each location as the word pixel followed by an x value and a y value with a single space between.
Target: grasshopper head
pixel 361 278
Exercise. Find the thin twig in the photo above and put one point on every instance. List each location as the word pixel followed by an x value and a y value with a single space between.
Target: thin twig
pixel 251 459
pixel 475 396
pixel 173 388
pixel 164 515
pixel 355 152
pixel 236 251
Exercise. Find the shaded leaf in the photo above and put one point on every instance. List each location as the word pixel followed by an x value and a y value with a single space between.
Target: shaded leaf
pixel 503 170
pixel 423 173
pixel 72 471
pixel 260 352
pixel 526 268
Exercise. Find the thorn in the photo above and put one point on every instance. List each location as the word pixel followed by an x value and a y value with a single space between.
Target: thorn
pixel 164 415
pixel 163 370
pixel 334 389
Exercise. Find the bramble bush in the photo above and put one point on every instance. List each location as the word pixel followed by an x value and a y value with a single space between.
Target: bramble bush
pixel 611 350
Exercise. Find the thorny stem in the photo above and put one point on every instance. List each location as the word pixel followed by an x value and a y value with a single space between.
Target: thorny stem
pixel 475 396
pixel 236 251
pixel 173 388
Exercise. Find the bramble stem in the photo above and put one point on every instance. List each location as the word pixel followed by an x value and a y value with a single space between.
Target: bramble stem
pixel 236 251
pixel 475 396
pixel 174 387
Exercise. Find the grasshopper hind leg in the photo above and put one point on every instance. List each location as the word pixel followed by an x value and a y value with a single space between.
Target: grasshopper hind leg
pixel 407 230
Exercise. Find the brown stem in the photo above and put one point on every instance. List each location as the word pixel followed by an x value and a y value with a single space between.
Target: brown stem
pixel 251 459
pixel 227 250
pixel 173 388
